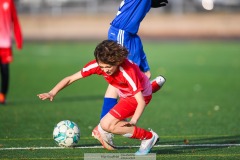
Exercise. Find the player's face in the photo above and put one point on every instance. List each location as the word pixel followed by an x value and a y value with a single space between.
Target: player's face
pixel 108 69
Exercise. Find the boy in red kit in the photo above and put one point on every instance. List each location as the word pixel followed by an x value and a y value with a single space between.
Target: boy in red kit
pixel 8 23
pixel 124 30
pixel 134 88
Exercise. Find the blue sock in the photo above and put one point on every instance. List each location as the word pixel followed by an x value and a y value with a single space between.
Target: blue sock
pixel 108 104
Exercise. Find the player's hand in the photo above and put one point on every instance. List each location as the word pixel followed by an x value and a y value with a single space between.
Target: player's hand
pixel 133 122
pixel 44 96
pixel 129 124
pixel 148 74
pixel 159 3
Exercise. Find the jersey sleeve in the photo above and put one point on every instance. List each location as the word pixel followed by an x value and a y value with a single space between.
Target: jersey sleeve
pixel 90 68
pixel 16 27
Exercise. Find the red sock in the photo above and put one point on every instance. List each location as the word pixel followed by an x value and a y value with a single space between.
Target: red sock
pixel 141 134
pixel 155 87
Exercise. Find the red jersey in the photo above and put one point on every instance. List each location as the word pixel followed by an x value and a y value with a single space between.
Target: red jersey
pixel 128 78
pixel 8 23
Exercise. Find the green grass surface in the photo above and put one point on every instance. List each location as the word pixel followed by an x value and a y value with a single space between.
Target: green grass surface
pixel 199 102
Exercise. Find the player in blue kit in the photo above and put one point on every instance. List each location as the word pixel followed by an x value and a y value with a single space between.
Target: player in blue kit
pixel 124 29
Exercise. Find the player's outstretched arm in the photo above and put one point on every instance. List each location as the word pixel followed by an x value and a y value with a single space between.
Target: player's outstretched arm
pixel 62 84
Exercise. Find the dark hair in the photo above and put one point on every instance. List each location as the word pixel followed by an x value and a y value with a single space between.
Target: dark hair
pixel 110 52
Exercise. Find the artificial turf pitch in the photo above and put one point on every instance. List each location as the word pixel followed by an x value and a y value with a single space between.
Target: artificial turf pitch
pixel 196 113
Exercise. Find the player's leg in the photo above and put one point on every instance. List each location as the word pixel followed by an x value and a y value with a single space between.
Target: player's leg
pixel 5 59
pixel 157 83
pixel 110 100
pixel 115 119
pixel 112 123
pixel 4 82
pixel 5 78
pixel 104 137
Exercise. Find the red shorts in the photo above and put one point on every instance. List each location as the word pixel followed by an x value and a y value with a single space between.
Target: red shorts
pixel 126 107
pixel 6 55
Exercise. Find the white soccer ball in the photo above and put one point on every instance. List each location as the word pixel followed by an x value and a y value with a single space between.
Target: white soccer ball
pixel 66 133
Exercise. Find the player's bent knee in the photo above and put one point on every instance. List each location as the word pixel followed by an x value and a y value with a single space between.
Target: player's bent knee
pixel 105 126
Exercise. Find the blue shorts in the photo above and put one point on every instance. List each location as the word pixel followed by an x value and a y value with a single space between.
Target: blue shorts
pixel 134 45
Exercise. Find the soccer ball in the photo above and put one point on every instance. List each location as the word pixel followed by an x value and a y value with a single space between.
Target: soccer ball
pixel 66 133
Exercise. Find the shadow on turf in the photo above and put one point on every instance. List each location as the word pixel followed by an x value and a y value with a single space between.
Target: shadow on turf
pixel 57 100
pixel 88 145
pixel 81 98
pixel 184 149
pixel 192 149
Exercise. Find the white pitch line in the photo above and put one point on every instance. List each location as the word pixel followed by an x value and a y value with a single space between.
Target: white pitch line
pixel 89 147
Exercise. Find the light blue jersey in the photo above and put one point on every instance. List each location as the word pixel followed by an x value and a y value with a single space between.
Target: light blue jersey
pixel 125 26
